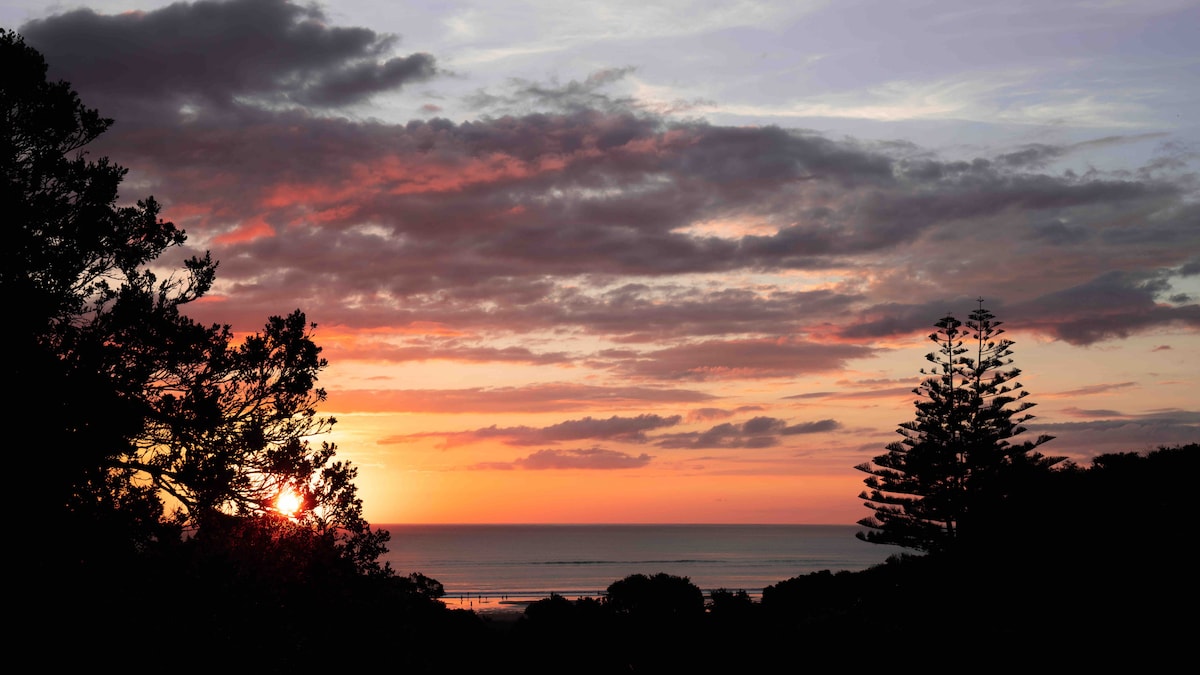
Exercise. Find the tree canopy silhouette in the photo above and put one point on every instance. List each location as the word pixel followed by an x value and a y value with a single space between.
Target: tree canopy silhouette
pixel 152 421
pixel 954 469
pixel 661 596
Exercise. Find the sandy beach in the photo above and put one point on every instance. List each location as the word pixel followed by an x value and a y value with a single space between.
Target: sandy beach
pixel 493 606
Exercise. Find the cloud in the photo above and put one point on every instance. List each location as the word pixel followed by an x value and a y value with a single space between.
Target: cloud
pixel 817 427
pixel 1112 305
pixel 553 397
pixel 864 389
pixel 1092 413
pixel 525 95
pixel 220 55
pixel 1120 433
pixel 738 359
pixel 427 349
pixel 758 432
pixel 586 459
pixel 680 249
pixel 615 428
pixel 709 414
pixel 1039 155
pixel 1091 390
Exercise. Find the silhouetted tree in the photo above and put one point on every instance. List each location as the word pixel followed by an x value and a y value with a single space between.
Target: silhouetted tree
pixel 956 466
pixel 732 611
pixel 74 260
pixel 725 601
pixel 658 622
pixel 662 596
pixel 228 436
pixel 140 403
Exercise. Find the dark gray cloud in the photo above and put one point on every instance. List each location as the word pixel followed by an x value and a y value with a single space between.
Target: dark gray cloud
pixel 615 428
pixel 1082 441
pixel 1102 413
pixel 586 459
pixel 210 53
pixel 1033 155
pixel 362 80
pixel 1039 155
pixel 523 96
pixel 741 359
pixel 534 220
pixel 757 432
pixel 817 427
pixel 708 414
pixel 1092 390
pixel 625 429
pixel 1113 305
pixel 895 318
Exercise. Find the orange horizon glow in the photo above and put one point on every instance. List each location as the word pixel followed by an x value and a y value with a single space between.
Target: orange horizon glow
pixel 436 463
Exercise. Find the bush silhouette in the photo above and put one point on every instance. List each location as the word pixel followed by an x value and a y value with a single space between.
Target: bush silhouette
pixel 658 597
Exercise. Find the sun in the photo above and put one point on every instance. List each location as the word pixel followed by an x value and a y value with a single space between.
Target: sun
pixel 288 502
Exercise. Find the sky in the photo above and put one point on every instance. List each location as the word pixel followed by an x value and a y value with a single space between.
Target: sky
pixel 667 262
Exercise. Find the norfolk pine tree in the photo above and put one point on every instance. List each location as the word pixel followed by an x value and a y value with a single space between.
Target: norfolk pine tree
pixel 950 476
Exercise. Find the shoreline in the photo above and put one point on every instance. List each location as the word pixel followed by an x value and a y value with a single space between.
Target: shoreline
pixel 492 604
pixel 485 605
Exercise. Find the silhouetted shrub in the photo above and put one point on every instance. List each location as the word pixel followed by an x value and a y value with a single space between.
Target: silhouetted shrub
pixel 727 604
pixel 662 596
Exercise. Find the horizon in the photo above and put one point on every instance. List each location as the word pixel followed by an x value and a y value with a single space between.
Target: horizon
pixel 651 264
pixel 622 524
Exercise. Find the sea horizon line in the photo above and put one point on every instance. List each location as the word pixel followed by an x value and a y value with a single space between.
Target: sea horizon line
pixel 611 524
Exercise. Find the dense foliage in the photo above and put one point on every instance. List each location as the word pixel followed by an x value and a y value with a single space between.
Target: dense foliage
pixel 158 446
pixel 152 426
pixel 160 441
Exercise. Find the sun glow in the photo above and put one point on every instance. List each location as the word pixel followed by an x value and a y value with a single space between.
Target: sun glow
pixel 288 502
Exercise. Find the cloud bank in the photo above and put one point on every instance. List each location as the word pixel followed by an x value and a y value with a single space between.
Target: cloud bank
pixel 570 228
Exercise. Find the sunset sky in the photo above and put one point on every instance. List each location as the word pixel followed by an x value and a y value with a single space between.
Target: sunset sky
pixel 640 261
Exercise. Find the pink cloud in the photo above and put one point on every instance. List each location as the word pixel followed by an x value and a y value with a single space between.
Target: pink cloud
pixel 255 228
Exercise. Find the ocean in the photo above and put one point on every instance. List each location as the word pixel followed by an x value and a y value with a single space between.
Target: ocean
pixel 493 567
